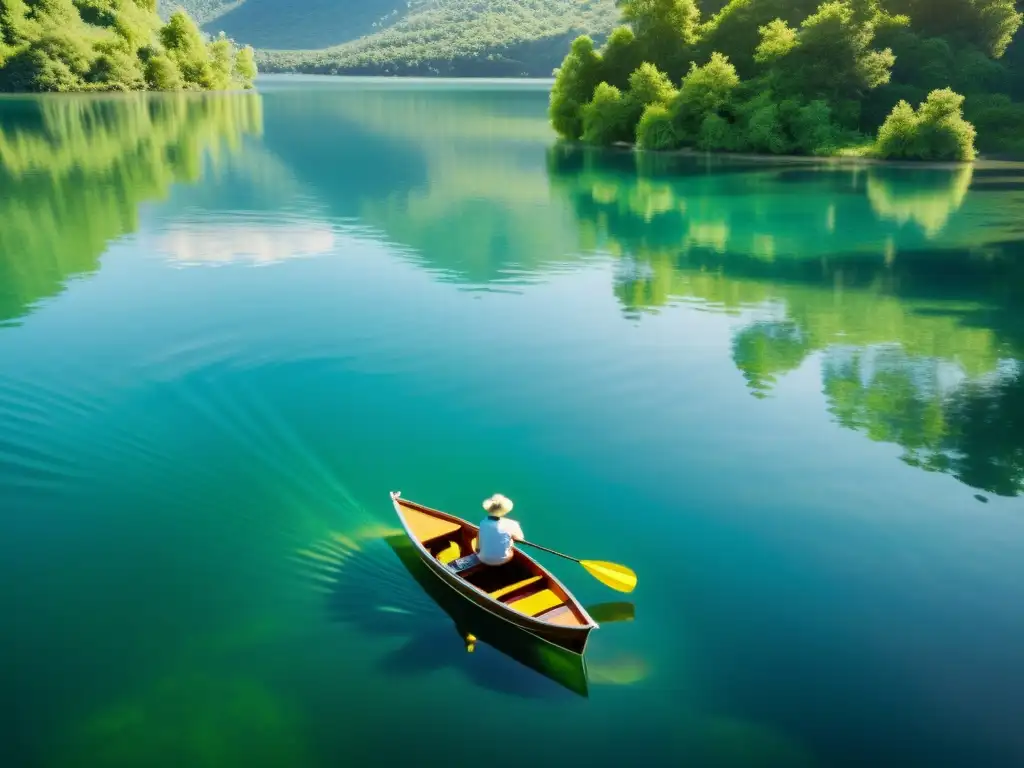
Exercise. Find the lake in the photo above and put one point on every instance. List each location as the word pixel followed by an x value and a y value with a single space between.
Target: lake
pixel 789 395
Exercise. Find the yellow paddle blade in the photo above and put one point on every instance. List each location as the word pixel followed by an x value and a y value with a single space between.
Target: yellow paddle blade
pixel 616 576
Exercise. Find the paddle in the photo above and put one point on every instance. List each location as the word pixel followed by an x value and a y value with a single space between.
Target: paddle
pixel 613 575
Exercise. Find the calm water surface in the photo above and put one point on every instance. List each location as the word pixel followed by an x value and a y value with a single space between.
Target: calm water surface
pixel 791 397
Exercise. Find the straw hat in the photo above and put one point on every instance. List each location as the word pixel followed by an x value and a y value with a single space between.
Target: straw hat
pixel 498 505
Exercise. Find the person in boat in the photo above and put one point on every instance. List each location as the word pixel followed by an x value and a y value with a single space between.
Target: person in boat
pixel 497 532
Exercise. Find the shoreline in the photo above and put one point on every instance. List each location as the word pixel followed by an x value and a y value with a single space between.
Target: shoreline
pixel 981 163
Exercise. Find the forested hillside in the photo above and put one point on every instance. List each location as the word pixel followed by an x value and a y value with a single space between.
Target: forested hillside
pixel 416 37
pixel 305 26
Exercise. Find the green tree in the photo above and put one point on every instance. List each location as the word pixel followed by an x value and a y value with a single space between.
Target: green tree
pixel 665 30
pixel 647 86
pixel 56 61
pixel 245 65
pixel 574 86
pixel 706 91
pixel 655 129
pixel 988 24
pixel 74 45
pixel 606 117
pixel 735 30
pixel 937 130
pixel 620 56
pixel 118 70
pixel 185 47
pixel 613 116
pixel 222 62
pixel 778 39
pixel 667 21
pixel 162 74
pixel 832 58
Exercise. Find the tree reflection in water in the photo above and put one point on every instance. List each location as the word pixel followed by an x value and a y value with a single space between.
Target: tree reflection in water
pixel 905 282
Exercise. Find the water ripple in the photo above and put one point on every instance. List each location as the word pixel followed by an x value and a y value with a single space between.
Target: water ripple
pixel 25 398
pixel 188 356
pixel 364 584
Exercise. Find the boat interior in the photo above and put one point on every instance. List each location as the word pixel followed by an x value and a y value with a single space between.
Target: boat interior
pixel 519 584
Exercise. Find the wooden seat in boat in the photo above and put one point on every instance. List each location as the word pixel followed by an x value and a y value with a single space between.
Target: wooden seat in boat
pixel 504 591
pixel 536 603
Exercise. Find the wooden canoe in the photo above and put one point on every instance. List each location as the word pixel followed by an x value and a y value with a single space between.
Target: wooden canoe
pixel 521 592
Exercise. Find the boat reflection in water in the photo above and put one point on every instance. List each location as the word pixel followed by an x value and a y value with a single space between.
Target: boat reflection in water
pixel 369 589
pixel 477 631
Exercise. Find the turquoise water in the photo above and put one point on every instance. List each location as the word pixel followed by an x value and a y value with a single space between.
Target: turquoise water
pixel 790 396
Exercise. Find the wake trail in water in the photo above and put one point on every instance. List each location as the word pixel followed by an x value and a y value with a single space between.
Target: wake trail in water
pixel 191 356
pixel 289 437
pixel 41 400
pixel 362 585
pixel 257 434
pixel 188 436
pixel 35 456
pixel 21 463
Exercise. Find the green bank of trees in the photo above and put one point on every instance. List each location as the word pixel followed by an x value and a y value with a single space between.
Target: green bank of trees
pixel 108 45
pixel 881 77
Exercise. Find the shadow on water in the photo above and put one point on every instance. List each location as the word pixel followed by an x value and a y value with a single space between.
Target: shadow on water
pixel 905 284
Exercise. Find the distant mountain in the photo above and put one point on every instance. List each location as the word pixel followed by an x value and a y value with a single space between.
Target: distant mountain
pixel 282 24
pixel 456 37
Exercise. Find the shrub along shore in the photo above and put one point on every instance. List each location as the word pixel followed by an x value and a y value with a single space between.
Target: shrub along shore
pixel 850 78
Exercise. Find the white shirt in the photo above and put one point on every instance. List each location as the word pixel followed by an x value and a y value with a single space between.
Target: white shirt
pixel 495 540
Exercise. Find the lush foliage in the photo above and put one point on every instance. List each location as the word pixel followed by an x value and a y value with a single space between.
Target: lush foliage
pixel 947 43
pixel 935 131
pixel 79 45
pixel 802 77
